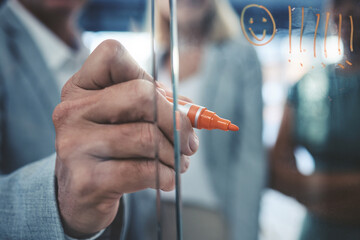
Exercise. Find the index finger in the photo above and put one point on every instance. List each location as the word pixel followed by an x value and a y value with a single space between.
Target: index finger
pixel 109 64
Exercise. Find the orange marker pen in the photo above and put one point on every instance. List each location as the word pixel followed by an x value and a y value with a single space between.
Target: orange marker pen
pixel 202 118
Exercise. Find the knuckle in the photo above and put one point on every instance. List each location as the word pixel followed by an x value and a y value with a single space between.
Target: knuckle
pixel 186 163
pixel 147 137
pixel 66 119
pixel 70 86
pixel 169 182
pixel 71 110
pixel 111 48
pixel 141 73
pixel 61 113
pixel 144 92
pixel 63 146
pixel 143 99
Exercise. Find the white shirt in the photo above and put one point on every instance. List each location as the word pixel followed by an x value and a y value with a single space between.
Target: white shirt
pixel 195 183
pixel 62 61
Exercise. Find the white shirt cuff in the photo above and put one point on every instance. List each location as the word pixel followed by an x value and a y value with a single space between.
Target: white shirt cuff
pixel 91 238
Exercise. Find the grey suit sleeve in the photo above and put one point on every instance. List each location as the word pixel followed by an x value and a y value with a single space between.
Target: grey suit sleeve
pixel 28 207
pixel 1 119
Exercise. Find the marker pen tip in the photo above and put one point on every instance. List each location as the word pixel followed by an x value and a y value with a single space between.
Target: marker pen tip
pixel 233 127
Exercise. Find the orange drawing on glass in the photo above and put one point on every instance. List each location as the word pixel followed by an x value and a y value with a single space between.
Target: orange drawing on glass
pixel 342 66
pixel 351 34
pixel 339 36
pixel 315 34
pixel 302 28
pixel 326 31
pixel 264 20
pixel 263 40
pixel 290 29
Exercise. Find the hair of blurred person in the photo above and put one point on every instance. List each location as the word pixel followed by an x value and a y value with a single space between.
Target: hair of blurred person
pixel 216 22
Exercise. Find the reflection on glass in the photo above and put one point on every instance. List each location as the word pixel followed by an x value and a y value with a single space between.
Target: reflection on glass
pixel 322 115
pixel 219 69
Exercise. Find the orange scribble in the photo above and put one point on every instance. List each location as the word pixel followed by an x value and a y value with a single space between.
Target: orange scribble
pixel 290 27
pixel 342 66
pixel 259 39
pixel 315 35
pixel 251 21
pixel 351 34
pixel 264 20
pixel 324 66
pixel 243 26
pixel 289 60
pixel 302 65
pixel 326 30
pixel 348 62
pixel 339 37
pixel 302 27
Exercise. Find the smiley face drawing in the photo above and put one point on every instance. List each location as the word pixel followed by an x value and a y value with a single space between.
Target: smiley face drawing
pixel 251 21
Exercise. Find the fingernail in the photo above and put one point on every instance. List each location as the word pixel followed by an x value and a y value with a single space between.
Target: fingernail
pixel 194 142
pixel 185 164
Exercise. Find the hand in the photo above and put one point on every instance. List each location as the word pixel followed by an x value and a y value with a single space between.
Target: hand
pixel 105 139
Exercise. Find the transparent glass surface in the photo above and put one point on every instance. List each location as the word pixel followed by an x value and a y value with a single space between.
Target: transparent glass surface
pixel 287 74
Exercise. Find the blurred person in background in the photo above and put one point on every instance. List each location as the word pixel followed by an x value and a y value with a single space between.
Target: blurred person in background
pixel 42 50
pixel 220 70
pixel 322 114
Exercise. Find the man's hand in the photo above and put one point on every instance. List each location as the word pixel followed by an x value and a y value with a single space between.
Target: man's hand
pixel 105 139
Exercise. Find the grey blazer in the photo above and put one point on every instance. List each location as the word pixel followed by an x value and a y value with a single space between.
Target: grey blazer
pixel 28 95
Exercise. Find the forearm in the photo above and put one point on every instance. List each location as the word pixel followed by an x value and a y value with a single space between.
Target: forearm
pixel 329 195
pixel 318 187
pixel 344 208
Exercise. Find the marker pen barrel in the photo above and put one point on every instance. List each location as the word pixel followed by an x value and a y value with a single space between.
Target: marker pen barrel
pixel 202 118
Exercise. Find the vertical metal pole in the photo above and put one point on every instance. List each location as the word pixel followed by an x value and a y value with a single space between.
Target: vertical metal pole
pixel 154 74
pixel 174 49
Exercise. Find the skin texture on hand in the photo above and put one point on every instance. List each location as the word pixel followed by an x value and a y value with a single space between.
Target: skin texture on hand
pixel 105 139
